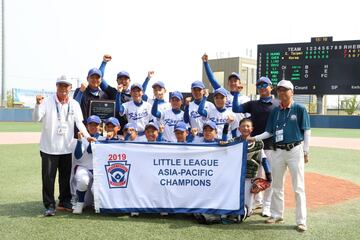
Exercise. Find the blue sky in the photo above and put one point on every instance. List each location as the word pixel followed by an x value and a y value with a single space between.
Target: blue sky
pixel 45 39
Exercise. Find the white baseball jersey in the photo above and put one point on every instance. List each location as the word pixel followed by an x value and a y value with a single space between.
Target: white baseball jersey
pixel 86 160
pixel 220 118
pixel 162 107
pixel 196 120
pixel 169 120
pixel 138 115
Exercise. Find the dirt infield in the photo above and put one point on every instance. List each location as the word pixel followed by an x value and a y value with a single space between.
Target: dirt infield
pixel 19 137
pixel 343 143
pixel 322 190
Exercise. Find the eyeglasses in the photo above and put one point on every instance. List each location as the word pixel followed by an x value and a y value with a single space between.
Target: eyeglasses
pixel 262 85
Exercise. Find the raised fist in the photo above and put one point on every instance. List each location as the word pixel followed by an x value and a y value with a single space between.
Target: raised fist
pixel 194 131
pixel 39 99
pixel 151 74
pixel 206 92
pixel 205 57
pixel 120 88
pixel 83 86
pixel 107 58
pixel 188 100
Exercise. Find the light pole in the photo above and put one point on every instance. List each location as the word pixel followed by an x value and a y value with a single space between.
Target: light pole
pixel 3 87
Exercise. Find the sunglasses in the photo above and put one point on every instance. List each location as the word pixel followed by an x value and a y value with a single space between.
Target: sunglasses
pixel 262 85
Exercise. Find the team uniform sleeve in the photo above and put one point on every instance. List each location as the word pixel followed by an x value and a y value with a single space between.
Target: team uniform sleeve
pixel 211 76
pixel 78 117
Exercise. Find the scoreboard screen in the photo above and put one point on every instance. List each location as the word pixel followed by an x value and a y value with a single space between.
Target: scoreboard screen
pixel 320 67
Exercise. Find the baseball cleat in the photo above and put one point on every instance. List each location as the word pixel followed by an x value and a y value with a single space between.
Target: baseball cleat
pixel 301 228
pixel 273 220
pixel 78 208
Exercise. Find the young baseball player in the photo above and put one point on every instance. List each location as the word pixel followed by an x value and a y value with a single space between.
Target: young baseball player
pixel 169 117
pixel 153 132
pixel 191 114
pixel 84 162
pixel 137 111
pixel 220 114
pixel 112 127
pixel 130 132
pixel 182 133
pixel 159 91
pixel 255 158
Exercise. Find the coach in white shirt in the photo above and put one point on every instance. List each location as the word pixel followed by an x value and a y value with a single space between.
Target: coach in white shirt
pixel 58 115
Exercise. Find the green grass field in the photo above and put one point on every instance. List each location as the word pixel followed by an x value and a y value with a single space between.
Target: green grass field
pixel 318 132
pixel 20 127
pixel 21 209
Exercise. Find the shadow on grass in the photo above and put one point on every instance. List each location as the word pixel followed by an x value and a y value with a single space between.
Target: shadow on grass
pixel 34 209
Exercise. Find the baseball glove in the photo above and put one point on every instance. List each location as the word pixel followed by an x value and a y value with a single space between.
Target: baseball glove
pixel 259 184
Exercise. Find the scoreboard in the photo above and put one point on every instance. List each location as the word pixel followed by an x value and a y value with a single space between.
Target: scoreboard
pixel 321 66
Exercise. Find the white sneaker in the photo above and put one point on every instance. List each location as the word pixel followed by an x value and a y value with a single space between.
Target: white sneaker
pixel 266 212
pixel 78 208
pixel 134 214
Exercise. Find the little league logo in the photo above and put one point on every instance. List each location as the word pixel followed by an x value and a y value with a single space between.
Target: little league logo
pixel 117 174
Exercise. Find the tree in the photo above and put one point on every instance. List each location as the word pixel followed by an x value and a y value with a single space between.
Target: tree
pixel 9 99
pixel 351 104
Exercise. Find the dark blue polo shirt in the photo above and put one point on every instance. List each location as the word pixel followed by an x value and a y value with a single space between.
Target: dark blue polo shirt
pixel 294 121
pixel 260 111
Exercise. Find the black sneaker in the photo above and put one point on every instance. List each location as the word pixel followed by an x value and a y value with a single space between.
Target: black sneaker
pixel 49 212
pixel 64 206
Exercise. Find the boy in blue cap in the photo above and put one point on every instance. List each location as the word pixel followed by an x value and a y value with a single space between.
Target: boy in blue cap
pixel 191 115
pixel 159 91
pixel 220 115
pixel 182 134
pixel 112 127
pixel 130 132
pixel 136 111
pixel 169 117
pixel 83 162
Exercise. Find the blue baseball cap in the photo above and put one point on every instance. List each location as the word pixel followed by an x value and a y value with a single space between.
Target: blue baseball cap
pixel 198 84
pixel 94 71
pixel 130 125
pixel 264 80
pixel 177 95
pixel 136 85
pixel 210 124
pixel 180 126
pixel 113 121
pixel 221 91
pixel 234 75
pixel 123 74
pixel 151 124
pixel 158 83
pixel 93 119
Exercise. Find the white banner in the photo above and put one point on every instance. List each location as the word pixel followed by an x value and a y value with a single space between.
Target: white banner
pixel 173 178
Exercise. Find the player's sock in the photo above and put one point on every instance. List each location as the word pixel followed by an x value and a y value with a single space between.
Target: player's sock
pixel 81 195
